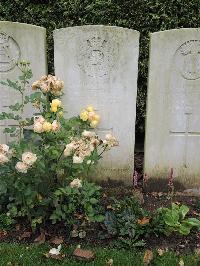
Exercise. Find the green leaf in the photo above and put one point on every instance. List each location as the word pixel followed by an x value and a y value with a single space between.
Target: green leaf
pixel 183 210
pixel 99 218
pixel 9 130
pixel 93 201
pixel 15 107
pixel 184 230
pixel 3 188
pixel 171 218
pixel 193 222
pixel 13 85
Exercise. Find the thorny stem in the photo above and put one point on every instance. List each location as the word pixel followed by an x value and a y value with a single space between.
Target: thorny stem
pixel 60 155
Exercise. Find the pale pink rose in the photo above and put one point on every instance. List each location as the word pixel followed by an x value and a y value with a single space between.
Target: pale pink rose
pixel 110 140
pixel 39 119
pixel 88 134
pixel 38 127
pixel 91 116
pixel 68 149
pixel 21 167
pixel 4 148
pixel 3 158
pixel 44 87
pixel 77 159
pixel 29 158
pixel 55 126
pixel 76 183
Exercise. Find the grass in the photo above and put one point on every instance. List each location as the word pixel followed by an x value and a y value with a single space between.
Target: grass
pixel 24 255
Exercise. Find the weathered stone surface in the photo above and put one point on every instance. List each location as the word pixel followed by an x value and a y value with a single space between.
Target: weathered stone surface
pixel 18 42
pixel 173 107
pixel 99 66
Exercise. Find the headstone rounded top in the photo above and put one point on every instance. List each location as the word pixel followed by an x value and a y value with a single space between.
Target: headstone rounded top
pixel 97 27
pixel 18 24
pixel 174 31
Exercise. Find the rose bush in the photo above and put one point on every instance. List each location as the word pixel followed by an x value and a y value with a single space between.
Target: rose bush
pixel 43 170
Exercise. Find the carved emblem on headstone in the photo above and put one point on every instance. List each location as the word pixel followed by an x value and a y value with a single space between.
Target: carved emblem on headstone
pixel 96 56
pixel 187 58
pixel 9 52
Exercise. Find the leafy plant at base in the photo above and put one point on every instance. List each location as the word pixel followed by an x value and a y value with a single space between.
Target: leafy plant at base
pixel 82 202
pixel 49 154
pixel 6 222
pixel 122 221
pixel 175 221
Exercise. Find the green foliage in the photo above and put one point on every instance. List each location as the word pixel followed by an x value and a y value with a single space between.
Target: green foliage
pixel 175 220
pixel 6 222
pixel 144 16
pixel 84 202
pixel 122 219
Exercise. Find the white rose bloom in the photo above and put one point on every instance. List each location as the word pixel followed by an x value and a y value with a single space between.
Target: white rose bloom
pixel 39 119
pixel 76 183
pixel 110 140
pixel 108 136
pixel 38 128
pixel 3 158
pixel 88 134
pixel 4 148
pixel 21 167
pixel 77 159
pixel 55 126
pixel 68 149
pixel 29 158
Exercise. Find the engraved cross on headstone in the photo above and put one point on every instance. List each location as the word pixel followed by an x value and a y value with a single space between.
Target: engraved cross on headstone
pixel 187 133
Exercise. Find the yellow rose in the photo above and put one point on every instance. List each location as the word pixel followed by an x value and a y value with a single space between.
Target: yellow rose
pixel 90 108
pixel 91 116
pixel 96 117
pixel 84 115
pixel 54 109
pixel 56 102
pixel 94 123
pixel 47 126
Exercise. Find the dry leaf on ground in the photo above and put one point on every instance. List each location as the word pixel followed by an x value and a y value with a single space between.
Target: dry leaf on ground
pixel 84 254
pixel 148 257
pixel 144 220
pixel 57 240
pixel 17 227
pixel 26 234
pixel 40 239
pixel 160 251
pixel 3 233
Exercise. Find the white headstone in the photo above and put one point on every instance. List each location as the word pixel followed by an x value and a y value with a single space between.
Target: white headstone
pixel 99 66
pixel 173 107
pixel 19 41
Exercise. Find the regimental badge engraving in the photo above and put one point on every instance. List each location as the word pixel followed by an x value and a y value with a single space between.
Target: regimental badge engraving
pixel 97 56
pixel 187 58
pixel 9 52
